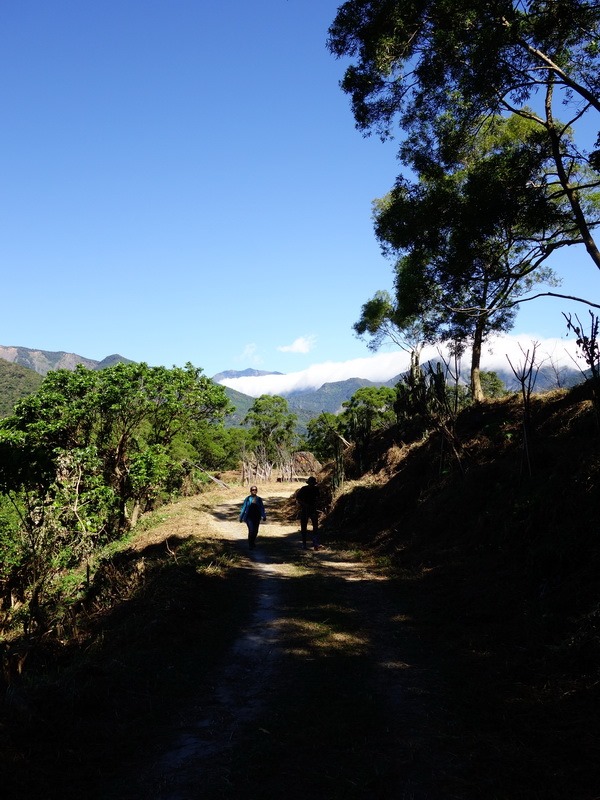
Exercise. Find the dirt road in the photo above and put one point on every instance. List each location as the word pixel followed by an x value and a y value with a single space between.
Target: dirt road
pixel 320 693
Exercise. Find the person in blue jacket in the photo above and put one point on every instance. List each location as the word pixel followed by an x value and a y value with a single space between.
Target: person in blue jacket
pixel 253 511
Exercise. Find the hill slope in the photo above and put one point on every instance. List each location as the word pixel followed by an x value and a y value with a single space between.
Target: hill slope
pixel 309 403
pixel 496 553
pixel 16 382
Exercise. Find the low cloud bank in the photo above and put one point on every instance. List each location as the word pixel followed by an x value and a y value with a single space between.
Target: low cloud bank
pixel 385 366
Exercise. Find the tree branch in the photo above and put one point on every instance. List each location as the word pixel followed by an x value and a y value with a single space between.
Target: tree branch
pixel 556 294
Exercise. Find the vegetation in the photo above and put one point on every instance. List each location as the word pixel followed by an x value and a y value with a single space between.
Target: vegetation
pixel 473 238
pixel 272 438
pixel 497 566
pixel 16 382
pixel 485 513
pixel 437 71
pixel 93 692
pixel 82 458
pixel 483 610
pixel 498 185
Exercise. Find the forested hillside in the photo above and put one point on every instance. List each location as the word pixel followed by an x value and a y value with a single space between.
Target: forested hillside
pixel 16 382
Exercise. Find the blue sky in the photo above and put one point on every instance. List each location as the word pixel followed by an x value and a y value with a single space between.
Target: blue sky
pixel 182 181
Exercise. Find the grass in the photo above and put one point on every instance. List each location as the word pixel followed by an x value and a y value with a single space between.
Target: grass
pixel 497 571
pixel 157 621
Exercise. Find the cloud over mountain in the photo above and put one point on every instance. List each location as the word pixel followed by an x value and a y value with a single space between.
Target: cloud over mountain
pixel 384 366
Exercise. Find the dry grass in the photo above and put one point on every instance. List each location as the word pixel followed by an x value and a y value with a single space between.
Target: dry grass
pixel 498 570
pixel 446 645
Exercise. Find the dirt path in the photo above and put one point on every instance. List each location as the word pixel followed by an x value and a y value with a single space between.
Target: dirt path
pixel 238 695
pixel 320 672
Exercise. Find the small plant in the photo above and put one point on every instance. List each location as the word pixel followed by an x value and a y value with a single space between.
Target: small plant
pixel 589 346
pixel 526 373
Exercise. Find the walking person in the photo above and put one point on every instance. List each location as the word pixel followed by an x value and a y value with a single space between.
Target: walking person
pixel 253 511
pixel 308 498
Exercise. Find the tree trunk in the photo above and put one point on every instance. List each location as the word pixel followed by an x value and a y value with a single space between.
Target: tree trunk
pixel 476 390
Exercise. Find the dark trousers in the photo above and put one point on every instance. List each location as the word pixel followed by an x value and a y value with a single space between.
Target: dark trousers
pixel 253 525
pixel 306 514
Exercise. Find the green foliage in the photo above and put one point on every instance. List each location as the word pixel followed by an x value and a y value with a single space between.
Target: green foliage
pixel 149 470
pixel 11 546
pixel 492 385
pixel 471 238
pixel 369 409
pixel 84 455
pixel 323 435
pixel 426 399
pixel 436 70
pixel 499 185
pixel 271 425
pixel 16 382
pixel 219 447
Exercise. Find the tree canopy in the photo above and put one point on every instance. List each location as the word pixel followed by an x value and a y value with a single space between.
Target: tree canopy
pixel 103 437
pixel 472 239
pixel 83 455
pixel 435 68
pixel 271 429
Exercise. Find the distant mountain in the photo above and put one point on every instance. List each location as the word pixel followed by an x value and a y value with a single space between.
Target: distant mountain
pixel 547 378
pixel 21 376
pixel 44 361
pixel 330 396
pixel 16 382
pixel 245 373
pixel 110 361
pixel 308 403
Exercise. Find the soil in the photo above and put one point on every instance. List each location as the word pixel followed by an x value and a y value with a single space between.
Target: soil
pixel 319 692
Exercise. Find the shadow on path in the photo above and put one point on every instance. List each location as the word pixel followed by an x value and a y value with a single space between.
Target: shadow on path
pixel 319 694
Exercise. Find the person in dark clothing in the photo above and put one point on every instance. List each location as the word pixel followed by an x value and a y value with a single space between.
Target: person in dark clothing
pixel 308 499
pixel 253 511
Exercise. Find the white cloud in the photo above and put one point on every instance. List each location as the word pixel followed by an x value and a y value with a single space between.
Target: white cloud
pixel 384 366
pixel 303 344
pixel 560 352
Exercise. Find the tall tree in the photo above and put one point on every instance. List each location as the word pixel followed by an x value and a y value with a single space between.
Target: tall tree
pixel 473 238
pixel 369 409
pixel 323 432
pixel 437 67
pixel 272 431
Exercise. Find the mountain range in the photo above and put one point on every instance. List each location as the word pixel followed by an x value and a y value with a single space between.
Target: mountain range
pixel 306 403
pixel 44 361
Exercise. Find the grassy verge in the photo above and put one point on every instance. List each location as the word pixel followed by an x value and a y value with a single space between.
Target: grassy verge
pixel 155 622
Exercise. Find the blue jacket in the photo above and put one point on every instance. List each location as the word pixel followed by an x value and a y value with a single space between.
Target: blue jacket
pixel 246 507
